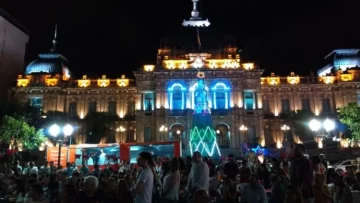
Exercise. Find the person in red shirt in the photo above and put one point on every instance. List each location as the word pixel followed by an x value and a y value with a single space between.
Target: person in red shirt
pixel 350 172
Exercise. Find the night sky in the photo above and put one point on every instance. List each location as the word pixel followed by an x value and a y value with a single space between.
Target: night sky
pixel 116 37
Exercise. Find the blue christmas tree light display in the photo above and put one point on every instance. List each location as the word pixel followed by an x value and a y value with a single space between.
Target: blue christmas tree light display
pixel 202 134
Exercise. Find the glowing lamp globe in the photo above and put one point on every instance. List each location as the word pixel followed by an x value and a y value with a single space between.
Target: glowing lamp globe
pixel 68 130
pixel 54 130
pixel 329 125
pixel 314 125
pixel 261 158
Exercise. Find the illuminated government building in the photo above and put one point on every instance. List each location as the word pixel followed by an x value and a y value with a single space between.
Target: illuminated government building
pixel 157 105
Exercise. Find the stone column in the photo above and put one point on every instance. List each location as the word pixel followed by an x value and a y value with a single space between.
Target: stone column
pixel 171 101
pixel 226 100
pixel 153 101
pixel 214 100
pixel 118 100
pixel 231 99
pixel 143 101
pixel 125 105
pixel 138 102
pixel 192 100
pixel 275 108
pixel 261 131
pixel 188 101
pixel 158 100
pixel 254 99
pixel 166 105
pixel 259 100
pixel 183 100
pixel 240 99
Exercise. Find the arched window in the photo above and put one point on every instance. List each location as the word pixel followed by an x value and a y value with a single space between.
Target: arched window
pixel 220 96
pixel 177 97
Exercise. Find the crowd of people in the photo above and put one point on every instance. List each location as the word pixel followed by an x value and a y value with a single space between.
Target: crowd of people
pixel 198 179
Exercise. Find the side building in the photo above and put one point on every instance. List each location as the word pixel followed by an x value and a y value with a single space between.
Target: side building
pixel 13 40
pixel 158 104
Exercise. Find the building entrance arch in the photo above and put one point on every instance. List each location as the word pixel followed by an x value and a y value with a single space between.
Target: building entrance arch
pixel 176 132
pixel 223 135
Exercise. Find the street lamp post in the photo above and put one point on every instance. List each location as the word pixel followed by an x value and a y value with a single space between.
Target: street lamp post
pixel 244 130
pixel 162 130
pixel 285 128
pixel 60 135
pixel 178 135
pixel 322 130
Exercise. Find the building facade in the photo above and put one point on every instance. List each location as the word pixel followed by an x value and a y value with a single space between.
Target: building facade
pixel 158 104
pixel 13 40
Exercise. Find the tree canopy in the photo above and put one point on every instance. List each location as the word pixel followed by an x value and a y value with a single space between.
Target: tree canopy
pixel 19 134
pixel 350 116
pixel 22 110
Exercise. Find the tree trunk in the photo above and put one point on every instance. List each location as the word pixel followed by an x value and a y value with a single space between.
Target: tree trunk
pixel 15 147
pixel 350 148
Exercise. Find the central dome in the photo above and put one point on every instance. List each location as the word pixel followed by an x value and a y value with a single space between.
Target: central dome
pixel 48 63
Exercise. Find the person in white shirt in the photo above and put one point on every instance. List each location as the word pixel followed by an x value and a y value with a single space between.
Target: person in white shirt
pixel 122 168
pixel 199 174
pixel 45 169
pixel 102 157
pixel 171 184
pixel 254 192
pixel 25 170
pixel 33 169
pixel 145 182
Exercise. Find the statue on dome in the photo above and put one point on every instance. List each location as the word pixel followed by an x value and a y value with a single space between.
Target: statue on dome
pixel 200 95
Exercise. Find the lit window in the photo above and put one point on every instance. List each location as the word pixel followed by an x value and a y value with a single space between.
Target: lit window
pixel 149 102
pixel 72 109
pixel 92 107
pixel 131 108
pixel 266 106
pixel 112 108
pixel 305 105
pixel 326 105
pixel 285 106
pixel 220 96
pixel 177 97
pixel 36 102
pixel 249 100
